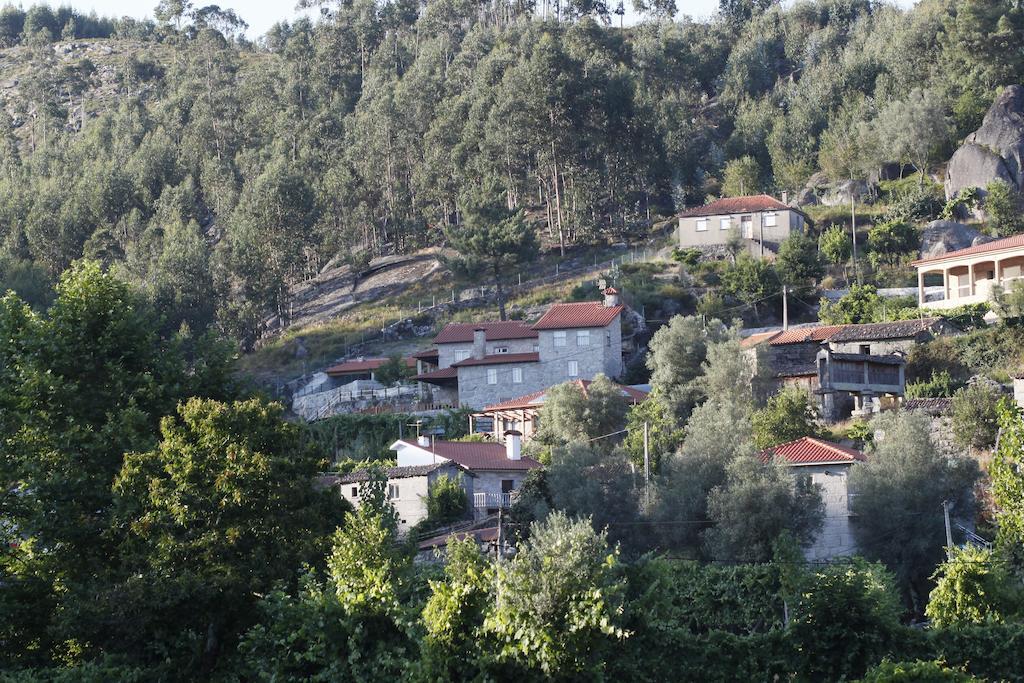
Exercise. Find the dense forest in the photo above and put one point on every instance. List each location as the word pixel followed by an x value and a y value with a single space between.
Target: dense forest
pixel 214 172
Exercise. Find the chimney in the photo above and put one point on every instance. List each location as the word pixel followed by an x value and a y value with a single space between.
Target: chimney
pixel 479 342
pixel 611 297
pixel 785 197
pixel 423 440
pixel 514 444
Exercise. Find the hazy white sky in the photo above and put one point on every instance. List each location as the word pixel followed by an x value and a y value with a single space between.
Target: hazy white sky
pixel 261 15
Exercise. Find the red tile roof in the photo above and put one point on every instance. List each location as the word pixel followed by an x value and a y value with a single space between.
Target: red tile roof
pixel 499 359
pixel 810 451
pixel 732 205
pixel 586 314
pixel 454 333
pixel 755 339
pixel 438 375
pixel 1014 242
pixel 351 366
pixel 426 354
pixel 488 535
pixel 536 398
pixel 799 335
pixel 476 456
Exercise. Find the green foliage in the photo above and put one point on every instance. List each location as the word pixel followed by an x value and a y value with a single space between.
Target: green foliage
pixel 967 199
pixel 675 355
pixel 789 415
pixel 560 600
pixel 798 262
pixel 572 413
pixel 922 672
pixel 1007 477
pixel 756 505
pixel 688 257
pixel 1003 207
pixel 1008 302
pixel 393 371
pixel 663 437
pixel 750 280
pixel 974 418
pixel 857 306
pixel 898 503
pixel 940 385
pixel 892 243
pixel 835 245
pixel 973 586
pixel 847 619
pixel 741 177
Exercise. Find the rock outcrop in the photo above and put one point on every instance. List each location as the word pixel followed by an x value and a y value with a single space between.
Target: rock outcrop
pixel 993 152
pixel 941 237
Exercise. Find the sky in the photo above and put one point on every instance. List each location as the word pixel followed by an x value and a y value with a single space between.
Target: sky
pixel 262 14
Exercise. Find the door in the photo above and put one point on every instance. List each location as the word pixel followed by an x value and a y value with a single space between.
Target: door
pixel 747 226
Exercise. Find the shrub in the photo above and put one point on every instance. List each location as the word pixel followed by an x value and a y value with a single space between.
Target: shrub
pixel 941 384
pixel 972 587
pixel 918 671
pixel 975 420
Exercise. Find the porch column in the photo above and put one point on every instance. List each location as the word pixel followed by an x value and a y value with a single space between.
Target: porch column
pixel 945 284
pixel 970 279
pixel 999 272
pixel 920 287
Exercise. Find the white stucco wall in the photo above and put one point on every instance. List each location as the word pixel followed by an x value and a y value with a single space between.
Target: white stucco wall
pixel 836 536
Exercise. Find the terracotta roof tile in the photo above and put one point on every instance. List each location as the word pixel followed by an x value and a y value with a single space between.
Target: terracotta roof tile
pixel 536 399
pixel 454 333
pixel 733 205
pixel 891 330
pixel 810 451
pixel 364 365
pixel 1013 242
pixel 442 374
pixel 394 472
pixel 756 339
pixel 477 456
pixel 585 314
pixel 931 406
pixel 426 354
pixel 800 335
pixel 499 359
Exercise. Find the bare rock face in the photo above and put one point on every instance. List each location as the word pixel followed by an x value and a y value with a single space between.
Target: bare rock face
pixel 840 193
pixel 993 152
pixel 942 237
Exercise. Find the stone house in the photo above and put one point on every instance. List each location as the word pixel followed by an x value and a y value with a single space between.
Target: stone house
pixel 762 222
pixel 483 363
pixel 827 465
pixel 408 488
pixel 899 336
pixel 522 414
pixel 497 470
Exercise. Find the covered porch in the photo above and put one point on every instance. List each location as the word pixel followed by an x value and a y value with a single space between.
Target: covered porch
pixel 967 281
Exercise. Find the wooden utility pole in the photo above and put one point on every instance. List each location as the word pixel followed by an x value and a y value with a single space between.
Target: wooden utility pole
pixel 785 308
pixel 647 468
pixel 949 531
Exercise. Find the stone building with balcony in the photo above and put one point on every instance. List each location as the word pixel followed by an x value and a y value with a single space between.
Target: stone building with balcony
pixel 968 276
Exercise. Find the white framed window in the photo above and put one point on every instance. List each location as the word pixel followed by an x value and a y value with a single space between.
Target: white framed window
pixel 393 491
pixel 559 337
pixel 702 224
pixel 726 222
pixel 770 220
pixel 492 375
pixel 517 375
pixel 583 338
pixel 461 354
pixel 500 349
pixel 355 491
pixel 574 369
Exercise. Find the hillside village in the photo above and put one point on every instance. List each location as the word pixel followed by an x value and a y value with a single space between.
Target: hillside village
pixel 566 341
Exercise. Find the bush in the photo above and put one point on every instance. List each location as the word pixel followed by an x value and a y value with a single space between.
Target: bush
pixel 975 420
pixel 918 672
pixel 973 587
pixel 940 385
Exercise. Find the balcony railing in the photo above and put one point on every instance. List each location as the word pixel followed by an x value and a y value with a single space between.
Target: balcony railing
pixel 493 500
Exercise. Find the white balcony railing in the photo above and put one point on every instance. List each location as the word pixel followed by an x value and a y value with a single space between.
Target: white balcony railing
pixel 493 500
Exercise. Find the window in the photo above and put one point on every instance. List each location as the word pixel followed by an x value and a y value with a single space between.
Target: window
pixel 355 491
pixel 393 491
pixel 726 222
pixel 500 349
pixel 517 375
pixel 770 220
pixel 492 375
pixel 560 338
pixel 865 349
pixel 574 369
pixel 583 338
pixel 461 354
pixel 702 224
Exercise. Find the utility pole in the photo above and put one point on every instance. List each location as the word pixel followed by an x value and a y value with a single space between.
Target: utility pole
pixel 647 469
pixel 785 308
pixel 853 234
pixel 949 531
pixel 501 540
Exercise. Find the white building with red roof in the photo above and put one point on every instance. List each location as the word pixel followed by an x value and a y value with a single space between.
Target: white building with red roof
pixel 478 364
pixel 827 465
pixel 968 276
pixel 761 220
pixel 497 469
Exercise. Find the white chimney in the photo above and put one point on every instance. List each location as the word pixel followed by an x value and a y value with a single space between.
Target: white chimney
pixel 611 297
pixel 479 342
pixel 785 197
pixel 423 440
pixel 514 445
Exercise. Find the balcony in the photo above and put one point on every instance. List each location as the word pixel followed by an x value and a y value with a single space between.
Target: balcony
pixel 493 500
